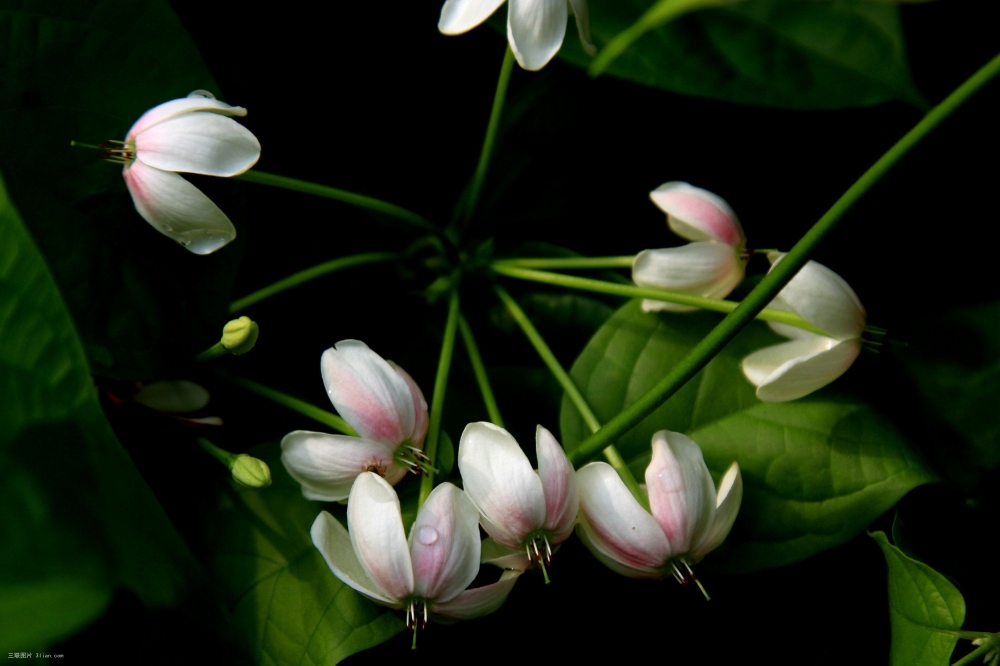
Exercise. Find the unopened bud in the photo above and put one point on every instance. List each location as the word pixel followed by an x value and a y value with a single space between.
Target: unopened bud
pixel 251 472
pixel 240 335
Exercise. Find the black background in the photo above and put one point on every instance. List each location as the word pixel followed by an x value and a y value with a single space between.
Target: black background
pixel 369 97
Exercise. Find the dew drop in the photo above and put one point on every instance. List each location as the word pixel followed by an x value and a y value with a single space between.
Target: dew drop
pixel 201 93
pixel 427 535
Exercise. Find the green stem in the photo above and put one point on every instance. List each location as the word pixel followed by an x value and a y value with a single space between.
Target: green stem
pixel 610 452
pixel 215 351
pixel 491 133
pixel 778 277
pixel 556 263
pixel 225 457
pixel 632 291
pixel 437 401
pixel 359 200
pixel 294 404
pixel 480 371
pixel 308 274
pixel 975 654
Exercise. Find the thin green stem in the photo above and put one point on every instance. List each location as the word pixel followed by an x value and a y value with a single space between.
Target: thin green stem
pixel 308 274
pixel 480 371
pixel 565 263
pixel 975 654
pixel 552 363
pixel 437 401
pixel 778 277
pixel 632 291
pixel 215 351
pixel 491 134
pixel 359 200
pixel 223 456
pixel 294 404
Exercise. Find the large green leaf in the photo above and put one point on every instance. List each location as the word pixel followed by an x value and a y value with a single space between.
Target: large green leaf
pixel 820 54
pixel 85 71
pixel 289 606
pixel 922 605
pixel 76 519
pixel 817 471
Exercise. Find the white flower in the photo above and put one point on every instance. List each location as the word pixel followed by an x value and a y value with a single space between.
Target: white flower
pixel 383 405
pixel 194 134
pixel 519 507
pixel 808 361
pixel 535 28
pixel 711 266
pixel 689 519
pixel 428 573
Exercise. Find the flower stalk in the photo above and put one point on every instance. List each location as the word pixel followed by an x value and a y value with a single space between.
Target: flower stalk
pixel 480 371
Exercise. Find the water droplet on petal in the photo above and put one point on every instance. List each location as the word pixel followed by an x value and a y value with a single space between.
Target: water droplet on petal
pixel 201 93
pixel 427 535
pixel 203 241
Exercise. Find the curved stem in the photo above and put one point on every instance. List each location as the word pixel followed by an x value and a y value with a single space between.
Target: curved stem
pixel 556 263
pixel 359 200
pixel 294 404
pixel 437 400
pixel 223 456
pixel 779 276
pixel 610 452
pixel 632 291
pixel 213 352
pixel 308 274
pixel 975 654
pixel 480 371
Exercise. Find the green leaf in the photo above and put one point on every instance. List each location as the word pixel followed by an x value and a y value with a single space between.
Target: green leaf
pixel 823 54
pixel 76 519
pixel 287 603
pixel 86 71
pixel 445 456
pixel 817 471
pixel 922 604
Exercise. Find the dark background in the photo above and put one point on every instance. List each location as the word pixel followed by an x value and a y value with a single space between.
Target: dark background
pixel 369 97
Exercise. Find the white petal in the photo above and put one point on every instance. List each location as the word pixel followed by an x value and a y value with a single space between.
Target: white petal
pixel 368 393
pixel 419 406
pixel 697 214
pixel 681 490
pixel 376 528
pixel 204 143
pixel 562 499
pixel 727 506
pixel 823 299
pixel 175 396
pixel 478 601
pixel 444 544
pixel 178 209
pixel 501 556
pixel 582 14
pixel 458 16
pixel 327 465
pixel 616 527
pixel 535 30
pixel 793 369
pixel 334 543
pixel 177 107
pixel 500 482
pixel 703 269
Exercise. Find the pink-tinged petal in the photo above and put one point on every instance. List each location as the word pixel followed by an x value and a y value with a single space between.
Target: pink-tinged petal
pixel 458 16
pixel 178 107
pixel 419 407
pixel 502 556
pixel 582 14
pixel 500 482
pixel 478 601
pixel 202 142
pixel 701 269
pixel 535 30
pixel 334 543
pixel 562 498
pixel 375 524
pixel 823 299
pixel 176 396
pixel 727 506
pixel 368 393
pixel 178 209
pixel 697 214
pixel 681 490
pixel 616 528
pixel 793 369
pixel 444 544
pixel 327 465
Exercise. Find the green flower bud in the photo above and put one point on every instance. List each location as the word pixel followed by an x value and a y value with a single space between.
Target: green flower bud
pixel 251 472
pixel 240 335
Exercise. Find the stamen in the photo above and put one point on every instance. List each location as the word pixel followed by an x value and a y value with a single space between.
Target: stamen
pixel 681 578
pixel 545 572
pixel 697 582
pixel 548 550
pixel 425 617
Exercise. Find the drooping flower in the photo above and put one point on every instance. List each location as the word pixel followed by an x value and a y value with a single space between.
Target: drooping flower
pixel 384 406
pixel 520 508
pixel 426 574
pixel 535 28
pixel 808 361
pixel 195 134
pixel 711 265
pixel 688 520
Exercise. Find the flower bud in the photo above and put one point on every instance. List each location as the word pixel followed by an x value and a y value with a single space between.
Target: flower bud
pixel 251 472
pixel 698 215
pixel 240 335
